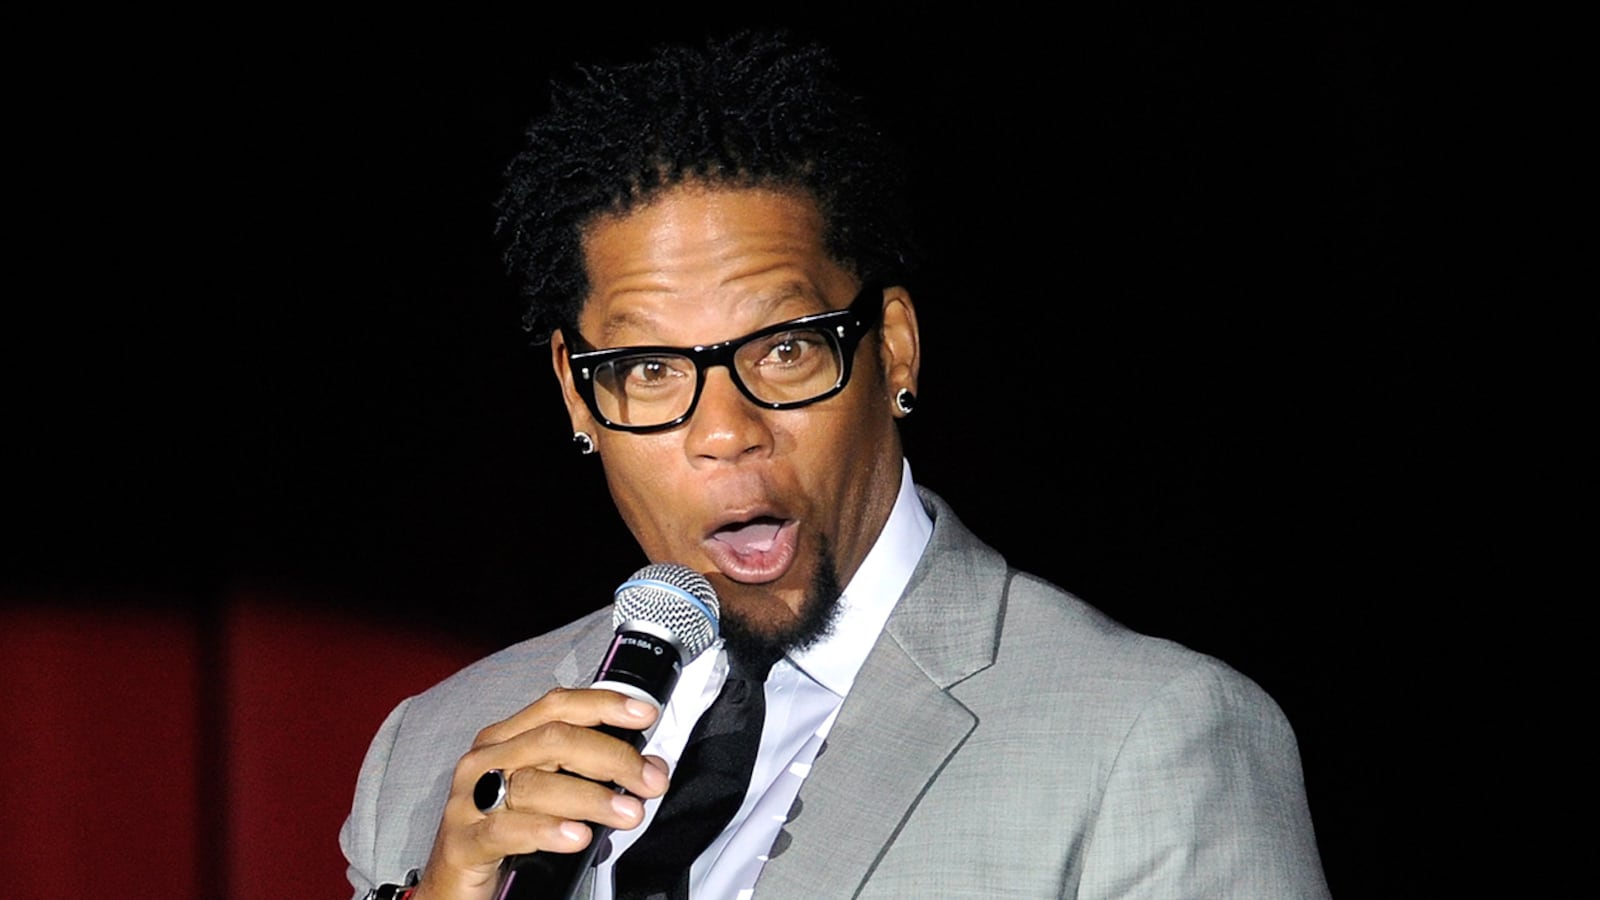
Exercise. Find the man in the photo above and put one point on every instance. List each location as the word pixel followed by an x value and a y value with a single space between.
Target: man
pixel 935 723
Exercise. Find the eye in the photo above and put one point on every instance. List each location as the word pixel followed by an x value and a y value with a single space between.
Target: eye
pixel 652 372
pixel 790 349
pixel 646 370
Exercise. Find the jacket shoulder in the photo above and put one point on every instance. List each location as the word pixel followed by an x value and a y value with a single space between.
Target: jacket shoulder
pixel 500 683
pixel 406 775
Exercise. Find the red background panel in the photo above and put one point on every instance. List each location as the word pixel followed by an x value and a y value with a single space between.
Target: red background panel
pixel 306 690
pixel 192 753
pixel 99 760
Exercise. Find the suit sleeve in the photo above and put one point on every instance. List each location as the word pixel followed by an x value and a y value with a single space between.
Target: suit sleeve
pixel 1205 799
pixel 359 836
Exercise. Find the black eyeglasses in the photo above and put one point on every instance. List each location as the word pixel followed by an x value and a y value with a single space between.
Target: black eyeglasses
pixel 783 366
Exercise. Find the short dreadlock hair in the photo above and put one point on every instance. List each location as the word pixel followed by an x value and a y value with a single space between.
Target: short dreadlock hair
pixel 754 110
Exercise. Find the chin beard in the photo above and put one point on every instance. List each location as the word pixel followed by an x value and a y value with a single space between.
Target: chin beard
pixel 814 622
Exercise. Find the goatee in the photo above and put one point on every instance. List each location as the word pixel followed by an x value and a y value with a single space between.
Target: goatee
pixel 814 622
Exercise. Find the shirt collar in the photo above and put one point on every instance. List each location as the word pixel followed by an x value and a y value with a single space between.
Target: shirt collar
pixel 871 594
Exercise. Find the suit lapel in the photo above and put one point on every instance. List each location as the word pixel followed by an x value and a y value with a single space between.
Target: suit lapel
pixel 899 724
pixel 852 802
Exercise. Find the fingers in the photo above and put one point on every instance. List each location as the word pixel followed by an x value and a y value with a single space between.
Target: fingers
pixel 580 795
pixel 584 706
pixel 560 773
pixel 557 734
pixel 573 800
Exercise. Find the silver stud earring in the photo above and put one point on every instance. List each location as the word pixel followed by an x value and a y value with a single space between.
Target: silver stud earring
pixel 905 401
pixel 584 441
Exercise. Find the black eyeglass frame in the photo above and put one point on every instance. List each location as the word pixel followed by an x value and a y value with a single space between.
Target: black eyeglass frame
pixel 846 326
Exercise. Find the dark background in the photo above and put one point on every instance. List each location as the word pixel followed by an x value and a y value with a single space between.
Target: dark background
pixel 1168 362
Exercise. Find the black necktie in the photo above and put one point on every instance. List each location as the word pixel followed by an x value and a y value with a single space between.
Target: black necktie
pixel 707 789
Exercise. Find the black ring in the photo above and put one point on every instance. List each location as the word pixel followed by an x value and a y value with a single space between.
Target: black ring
pixel 489 794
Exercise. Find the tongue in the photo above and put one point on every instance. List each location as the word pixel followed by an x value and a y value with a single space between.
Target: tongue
pixel 755 537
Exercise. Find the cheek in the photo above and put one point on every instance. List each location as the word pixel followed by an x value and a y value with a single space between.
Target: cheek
pixel 642 486
pixel 832 454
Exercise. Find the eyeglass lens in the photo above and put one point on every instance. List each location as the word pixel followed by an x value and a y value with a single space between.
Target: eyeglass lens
pixel 653 388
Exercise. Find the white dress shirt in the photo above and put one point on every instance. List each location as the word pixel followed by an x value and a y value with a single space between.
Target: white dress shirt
pixel 804 693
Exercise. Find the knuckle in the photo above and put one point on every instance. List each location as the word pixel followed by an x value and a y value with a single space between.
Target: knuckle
pixel 472 763
pixel 552 735
pixel 469 769
pixel 497 831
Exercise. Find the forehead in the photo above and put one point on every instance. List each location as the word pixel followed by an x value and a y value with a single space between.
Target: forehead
pixel 696 257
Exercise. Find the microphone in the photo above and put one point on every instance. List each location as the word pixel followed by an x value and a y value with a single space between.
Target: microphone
pixel 664 616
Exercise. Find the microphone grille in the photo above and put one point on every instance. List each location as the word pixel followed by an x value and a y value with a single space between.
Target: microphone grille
pixel 674 597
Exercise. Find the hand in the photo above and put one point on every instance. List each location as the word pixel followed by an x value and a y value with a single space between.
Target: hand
pixel 559 772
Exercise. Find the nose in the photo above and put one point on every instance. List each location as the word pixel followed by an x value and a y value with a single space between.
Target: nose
pixel 726 426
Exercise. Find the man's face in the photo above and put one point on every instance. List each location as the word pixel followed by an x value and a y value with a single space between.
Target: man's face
pixel 754 498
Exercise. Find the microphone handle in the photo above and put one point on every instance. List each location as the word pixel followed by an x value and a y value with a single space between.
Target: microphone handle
pixel 643 666
pixel 556 876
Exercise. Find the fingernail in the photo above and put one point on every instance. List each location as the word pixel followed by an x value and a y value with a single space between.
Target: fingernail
pixel 655 777
pixel 627 806
pixel 572 831
pixel 638 709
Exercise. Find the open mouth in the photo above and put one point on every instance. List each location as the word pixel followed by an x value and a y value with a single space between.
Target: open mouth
pixel 754 550
pixel 755 536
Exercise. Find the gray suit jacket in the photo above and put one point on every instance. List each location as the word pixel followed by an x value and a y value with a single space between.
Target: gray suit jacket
pixel 1003 739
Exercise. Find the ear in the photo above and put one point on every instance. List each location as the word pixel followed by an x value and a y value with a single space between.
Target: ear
pixel 901 346
pixel 577 412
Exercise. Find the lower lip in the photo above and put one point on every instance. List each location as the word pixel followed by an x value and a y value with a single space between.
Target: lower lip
pixel 760 567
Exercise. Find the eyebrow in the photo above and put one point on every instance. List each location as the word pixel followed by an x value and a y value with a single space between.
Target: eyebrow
pixel 622 321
